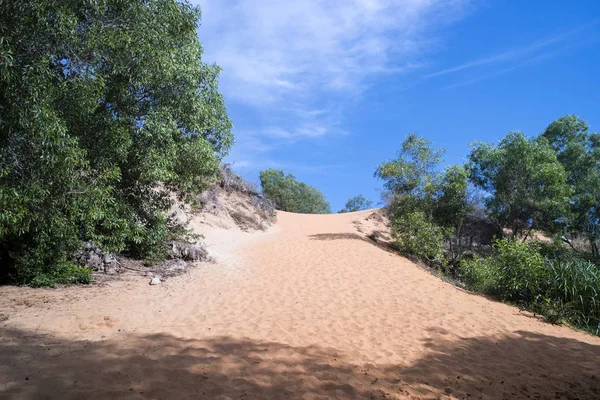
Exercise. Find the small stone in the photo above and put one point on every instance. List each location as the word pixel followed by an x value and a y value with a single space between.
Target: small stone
pixel 111 268
pixel 155 281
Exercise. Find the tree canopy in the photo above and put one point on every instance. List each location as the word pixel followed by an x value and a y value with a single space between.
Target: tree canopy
pixel 357 203
pixel 428 205
pixel 290 195
pixel 413 170
pixel 526 182
pixel 101 104
pixel 455 219
pixel 578 151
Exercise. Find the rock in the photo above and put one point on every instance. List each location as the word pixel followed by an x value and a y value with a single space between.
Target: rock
pixel 94 261
pixel 111 268
pixel 92 257
pixel 111 265
pixel 155 280
pixel 175 265
pixel 177 216
pixel 189 252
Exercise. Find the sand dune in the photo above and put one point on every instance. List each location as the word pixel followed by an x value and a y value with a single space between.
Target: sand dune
pixel 311 309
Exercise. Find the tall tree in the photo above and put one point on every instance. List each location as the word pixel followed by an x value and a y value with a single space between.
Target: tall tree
pixel 100 102
pixel 414 169
pixel 415 179
pixel 428 206
pixel 578 150
pixel 527 183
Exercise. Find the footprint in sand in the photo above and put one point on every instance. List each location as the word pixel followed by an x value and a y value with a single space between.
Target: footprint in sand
pixel 96 322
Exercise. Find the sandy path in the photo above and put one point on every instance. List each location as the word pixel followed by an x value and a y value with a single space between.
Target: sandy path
pixel 311 309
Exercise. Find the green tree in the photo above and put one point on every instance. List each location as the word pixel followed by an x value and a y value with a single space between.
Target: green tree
pixel 451 200
pixel 428 206
pixel 290 195
pixel 417 184
pixel 416 234
pixel 101 104
pixel 414 170
pixel 357 203
pixel 527 183
pixel 578 150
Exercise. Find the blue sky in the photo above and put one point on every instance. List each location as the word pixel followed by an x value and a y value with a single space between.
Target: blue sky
pixel 328 89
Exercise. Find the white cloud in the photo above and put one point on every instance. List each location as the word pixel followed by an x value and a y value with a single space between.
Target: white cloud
pixel 273 50
pixel 294 65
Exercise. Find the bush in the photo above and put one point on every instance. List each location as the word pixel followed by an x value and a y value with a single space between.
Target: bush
pixel 357 203
pixel 65 273
pixel 573 288
pixel 514 271
pixel 418 236
pixel 558 289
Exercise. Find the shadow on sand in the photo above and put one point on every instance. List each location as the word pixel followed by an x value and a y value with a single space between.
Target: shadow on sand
pixel 519 365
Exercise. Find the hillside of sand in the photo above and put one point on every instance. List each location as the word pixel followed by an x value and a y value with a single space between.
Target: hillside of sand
pixel 311 308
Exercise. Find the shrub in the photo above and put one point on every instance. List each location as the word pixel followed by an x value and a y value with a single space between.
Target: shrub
pixel 573 288
pixel 558 289
pixel 428 207
pixel 514 271
pixel 65 273
pixel 416 235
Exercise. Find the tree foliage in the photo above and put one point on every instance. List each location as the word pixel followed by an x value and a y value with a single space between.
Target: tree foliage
pixel 550 183
pixel 290 195
pixel 413 171
pixel 417 235
pixel 578 150
pixel 100 101
pixel 357 203
pixel 428 206
pixel 527 183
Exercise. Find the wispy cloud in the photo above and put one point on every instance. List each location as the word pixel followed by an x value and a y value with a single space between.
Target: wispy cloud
pixel 532 53
pixel 534 60
pixel 272 50
pixel 504 56
pixel 295 63
pixel 255 164
pixel 294 67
